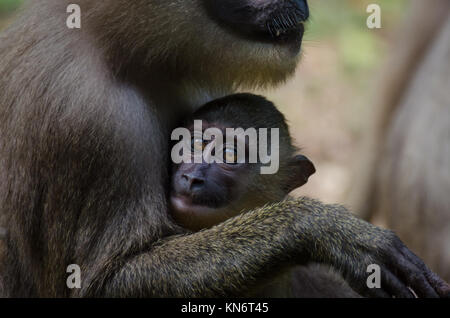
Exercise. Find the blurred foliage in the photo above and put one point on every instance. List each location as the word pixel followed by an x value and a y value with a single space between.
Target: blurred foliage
pixel 343 23
pixel 7 6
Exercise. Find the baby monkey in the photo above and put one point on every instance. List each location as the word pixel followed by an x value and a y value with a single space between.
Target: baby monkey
pixel 204 194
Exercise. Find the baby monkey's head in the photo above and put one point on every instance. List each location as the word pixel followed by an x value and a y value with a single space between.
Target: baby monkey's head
pixel 207 192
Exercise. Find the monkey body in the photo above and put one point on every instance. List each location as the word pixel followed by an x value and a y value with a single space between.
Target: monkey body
pixel 84 172
pixel 66 171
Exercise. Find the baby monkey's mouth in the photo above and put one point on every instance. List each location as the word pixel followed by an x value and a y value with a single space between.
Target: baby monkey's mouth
pixel 199 199
pixel 187 205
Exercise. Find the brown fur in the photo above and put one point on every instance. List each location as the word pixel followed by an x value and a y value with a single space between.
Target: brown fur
pixel 84 120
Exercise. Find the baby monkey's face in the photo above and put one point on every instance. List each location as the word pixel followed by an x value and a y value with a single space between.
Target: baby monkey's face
pixel 204 194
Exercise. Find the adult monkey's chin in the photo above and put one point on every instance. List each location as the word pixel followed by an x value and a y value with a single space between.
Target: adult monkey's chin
pixel 274 21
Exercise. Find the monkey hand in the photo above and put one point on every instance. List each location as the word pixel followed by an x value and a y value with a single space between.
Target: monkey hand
pixel 400 272
pixel 352 245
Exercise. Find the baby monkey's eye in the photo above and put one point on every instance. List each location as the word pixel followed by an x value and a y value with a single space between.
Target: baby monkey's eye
pixel 230 155
pixel 197 144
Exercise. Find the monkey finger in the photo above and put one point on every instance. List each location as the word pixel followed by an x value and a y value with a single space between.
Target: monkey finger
pixel 409 268
pixel 359 284
pixel 415 278
pixel 420 285
pixel 394 286
pixel 439 285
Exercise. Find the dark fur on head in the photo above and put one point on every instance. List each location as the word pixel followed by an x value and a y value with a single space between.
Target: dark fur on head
pixel 204 194
pixel 252 111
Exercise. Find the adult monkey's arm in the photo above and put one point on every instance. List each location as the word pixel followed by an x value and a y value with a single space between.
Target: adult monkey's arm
pixel 234 256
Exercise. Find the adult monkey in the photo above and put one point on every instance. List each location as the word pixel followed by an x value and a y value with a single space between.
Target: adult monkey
pixel 83 122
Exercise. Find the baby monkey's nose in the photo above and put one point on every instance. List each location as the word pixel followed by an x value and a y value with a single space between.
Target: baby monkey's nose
pixel 193 181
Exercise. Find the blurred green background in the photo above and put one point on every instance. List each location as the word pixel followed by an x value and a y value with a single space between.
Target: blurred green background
pixel 343 23
pixel 7 6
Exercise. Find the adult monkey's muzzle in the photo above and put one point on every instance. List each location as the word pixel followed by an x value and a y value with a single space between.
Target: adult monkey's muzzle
pixel 268 20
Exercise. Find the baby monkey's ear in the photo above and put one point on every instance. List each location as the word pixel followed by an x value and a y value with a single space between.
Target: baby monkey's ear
pixel 300 169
